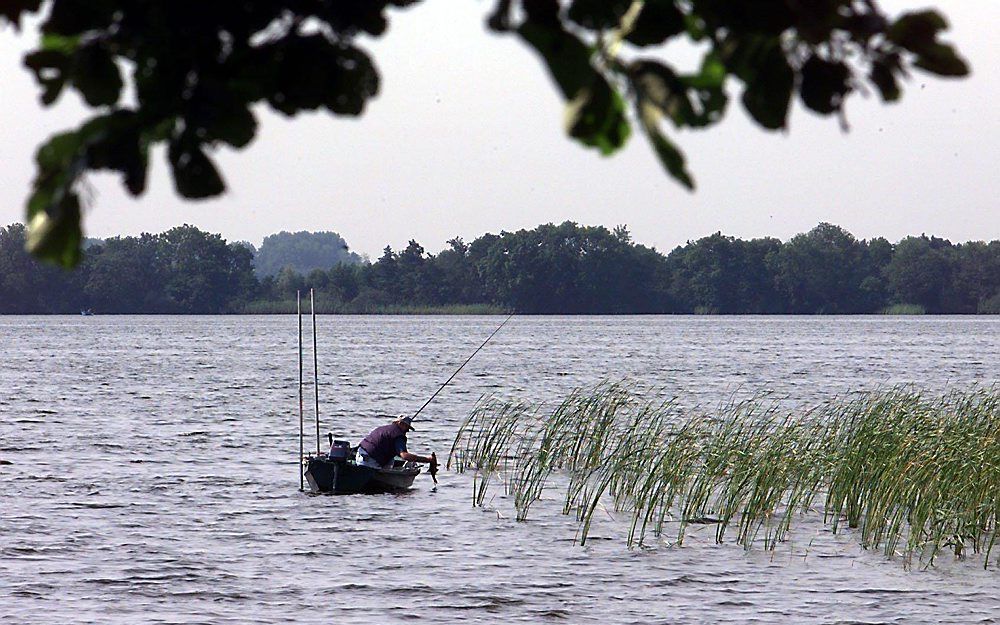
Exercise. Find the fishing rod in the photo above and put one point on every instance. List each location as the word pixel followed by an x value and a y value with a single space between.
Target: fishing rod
pixel 312 309
pixel 463 365
pixel 302 453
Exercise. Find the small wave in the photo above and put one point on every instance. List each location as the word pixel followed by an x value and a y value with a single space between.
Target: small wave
pixel 106 581
pixel 553 613
pixel 497 601
pixel 872 591
pixel 96 506
pixel 352 586
pixel 683 579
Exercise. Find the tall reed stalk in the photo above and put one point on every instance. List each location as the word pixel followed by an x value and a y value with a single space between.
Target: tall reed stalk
pixel 909 474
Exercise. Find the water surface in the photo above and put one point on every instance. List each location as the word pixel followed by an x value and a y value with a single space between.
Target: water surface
pixel 153 473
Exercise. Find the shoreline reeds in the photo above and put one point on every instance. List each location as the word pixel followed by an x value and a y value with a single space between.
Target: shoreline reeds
pixel 908 473
pixel 327 307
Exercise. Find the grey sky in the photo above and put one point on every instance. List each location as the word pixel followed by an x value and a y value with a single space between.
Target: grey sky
pixel 466 137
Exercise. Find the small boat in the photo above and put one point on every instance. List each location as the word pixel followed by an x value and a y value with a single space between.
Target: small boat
pixel 335 473
pixel 86 312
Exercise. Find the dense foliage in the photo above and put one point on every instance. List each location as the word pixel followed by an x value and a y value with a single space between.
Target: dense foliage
pixel 568 269
pixel 302 251
pixel 194 72
pixel 182 270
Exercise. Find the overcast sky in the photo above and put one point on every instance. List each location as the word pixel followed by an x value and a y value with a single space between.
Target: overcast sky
pixel 466 138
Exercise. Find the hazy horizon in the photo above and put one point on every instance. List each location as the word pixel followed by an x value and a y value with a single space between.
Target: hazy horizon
pixel 466 138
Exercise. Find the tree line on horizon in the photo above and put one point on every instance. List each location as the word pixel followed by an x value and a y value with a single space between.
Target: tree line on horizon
pixel 551 269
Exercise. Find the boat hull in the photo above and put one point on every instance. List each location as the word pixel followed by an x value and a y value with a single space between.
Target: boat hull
pixel 343 477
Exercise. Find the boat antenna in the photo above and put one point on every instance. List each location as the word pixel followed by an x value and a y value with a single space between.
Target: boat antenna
pixel 298 308
pixel 312 308
pixel 462 365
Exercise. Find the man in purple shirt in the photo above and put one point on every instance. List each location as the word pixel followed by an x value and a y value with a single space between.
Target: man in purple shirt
pixel 384 443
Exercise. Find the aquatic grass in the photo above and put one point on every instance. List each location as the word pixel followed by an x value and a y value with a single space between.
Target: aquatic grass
pixel 909 474
pixel 489 431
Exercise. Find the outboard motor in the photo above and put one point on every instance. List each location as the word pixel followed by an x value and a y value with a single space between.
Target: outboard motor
pixel 339 450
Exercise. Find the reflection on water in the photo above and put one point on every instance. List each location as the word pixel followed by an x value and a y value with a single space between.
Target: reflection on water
pixel 153 473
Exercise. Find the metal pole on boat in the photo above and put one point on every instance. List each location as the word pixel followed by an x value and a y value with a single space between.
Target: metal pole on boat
pixel 462 366
pixel 298 306
pixel 312 307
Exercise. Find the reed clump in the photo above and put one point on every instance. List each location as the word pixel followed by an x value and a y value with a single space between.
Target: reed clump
pixel 910 474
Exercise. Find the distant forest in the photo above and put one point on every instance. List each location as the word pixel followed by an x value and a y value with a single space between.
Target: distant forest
pixel 551 269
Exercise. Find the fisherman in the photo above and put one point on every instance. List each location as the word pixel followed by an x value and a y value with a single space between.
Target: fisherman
pixel 384 443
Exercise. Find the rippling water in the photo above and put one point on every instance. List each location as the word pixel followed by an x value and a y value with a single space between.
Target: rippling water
pixel 153 475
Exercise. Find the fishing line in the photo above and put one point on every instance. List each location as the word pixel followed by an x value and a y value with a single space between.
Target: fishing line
pixel 463 365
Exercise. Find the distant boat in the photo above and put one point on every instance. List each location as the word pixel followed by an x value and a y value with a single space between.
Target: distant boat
pixel 86 312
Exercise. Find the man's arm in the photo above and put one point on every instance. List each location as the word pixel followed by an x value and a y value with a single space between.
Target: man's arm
pixel 405 455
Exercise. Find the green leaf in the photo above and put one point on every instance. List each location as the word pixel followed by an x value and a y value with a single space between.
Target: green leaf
pixel 824 85
pixel 658 21
pixel 883 76
pixel 72 17
pixel 60 43
pixel 659 86
pixel 59 152
pixel 353 81
pixel 195 176
pixel 96 76
pixel 596 117
pixel 595 113
pixel 941 59
pixel 688 101
pixel 216 113
pixel 566 57
pixel 695 26
pixel 712 74
pixel 499 19
pixel 670 157
pixel 769 79
pixel 305 73
pixel 598 14
pixel 53 212
pixel 917 31
pixel 53 209
pixel 710 99
pixel 49 67
pixel 54 233
pixel 13 9
pixel 236 127
pixel 115 142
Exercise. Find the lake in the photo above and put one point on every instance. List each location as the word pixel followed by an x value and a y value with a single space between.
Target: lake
pixel 153 472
